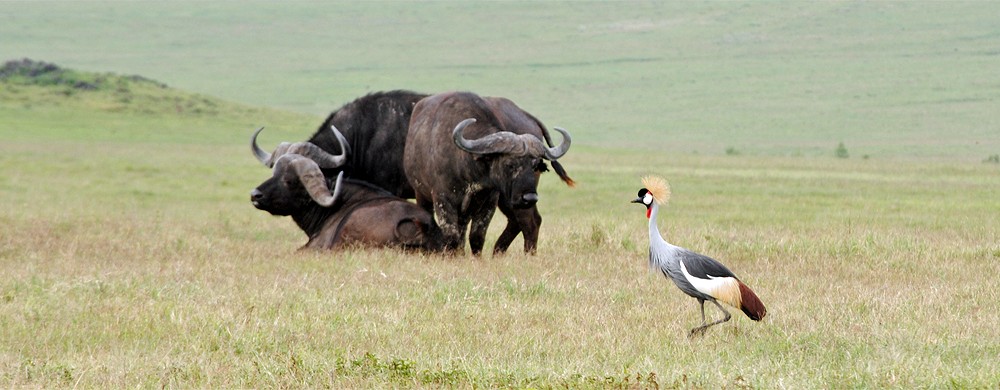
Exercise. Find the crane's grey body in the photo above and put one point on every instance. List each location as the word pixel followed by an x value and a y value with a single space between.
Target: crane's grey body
pixel 667 258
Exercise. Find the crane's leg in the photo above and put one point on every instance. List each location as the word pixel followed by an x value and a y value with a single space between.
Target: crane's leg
pixel 697 330
pixel 701 329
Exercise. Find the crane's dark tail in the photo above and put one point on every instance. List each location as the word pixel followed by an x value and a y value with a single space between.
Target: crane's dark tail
pixel 750 304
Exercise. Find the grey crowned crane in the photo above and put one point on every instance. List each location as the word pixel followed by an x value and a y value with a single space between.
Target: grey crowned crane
pixel 697 275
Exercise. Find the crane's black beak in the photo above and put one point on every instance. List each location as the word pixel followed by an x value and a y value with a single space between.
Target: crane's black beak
pixel 636 200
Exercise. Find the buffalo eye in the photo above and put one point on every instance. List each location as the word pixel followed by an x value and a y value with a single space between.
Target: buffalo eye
pixel 291 181
pixel 511 165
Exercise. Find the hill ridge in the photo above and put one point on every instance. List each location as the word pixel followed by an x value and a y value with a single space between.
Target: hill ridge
pixel 31 83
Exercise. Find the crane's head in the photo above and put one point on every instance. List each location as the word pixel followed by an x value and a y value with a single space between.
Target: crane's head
pixel 656 189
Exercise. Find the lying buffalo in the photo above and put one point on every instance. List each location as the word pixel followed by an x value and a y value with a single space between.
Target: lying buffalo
pixel 465 153
pixel 353 213
pixel 375 127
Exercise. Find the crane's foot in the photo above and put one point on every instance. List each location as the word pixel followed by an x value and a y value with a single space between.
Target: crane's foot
pixel 697 332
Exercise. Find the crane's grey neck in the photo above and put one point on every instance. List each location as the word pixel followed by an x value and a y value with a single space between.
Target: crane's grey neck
pixel 654 231
pixel 658 247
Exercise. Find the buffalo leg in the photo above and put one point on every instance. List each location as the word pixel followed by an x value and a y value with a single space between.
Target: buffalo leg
pixel 519 221
pixel 510 231
pixel 426 204
pixel 452 226
pixel 531 222
pixel 437 242
pixel 481 213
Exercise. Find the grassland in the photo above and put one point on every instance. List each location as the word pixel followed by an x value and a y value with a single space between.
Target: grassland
pixel 780 79
pixel 131 257
pixel 140 263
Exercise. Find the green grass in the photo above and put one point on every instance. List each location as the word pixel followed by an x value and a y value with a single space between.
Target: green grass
pixel 131 257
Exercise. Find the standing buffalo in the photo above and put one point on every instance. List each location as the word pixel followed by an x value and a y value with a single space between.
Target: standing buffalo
pixel 354 213
pixel 524 220
pixel 465 153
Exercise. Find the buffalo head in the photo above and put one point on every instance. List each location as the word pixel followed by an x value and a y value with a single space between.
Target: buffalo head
pixel 516 160
pixel 297 176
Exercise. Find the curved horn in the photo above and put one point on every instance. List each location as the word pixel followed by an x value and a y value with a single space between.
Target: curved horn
pixel 501 142
pixel 535 147
pixel 559 151
pixel 307 149
pixel 322 158
pixel 262 156
pixel 313 180
pixel 336 187
pixel 459 139
pixel 345 148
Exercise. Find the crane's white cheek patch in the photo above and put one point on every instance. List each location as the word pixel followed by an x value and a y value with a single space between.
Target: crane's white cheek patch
pixel 647 199
pixel 724 289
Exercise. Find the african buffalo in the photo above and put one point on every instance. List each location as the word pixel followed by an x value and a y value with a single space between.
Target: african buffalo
pixel 354 213
pixel 465 153
pixel 522 220
pixel 375 126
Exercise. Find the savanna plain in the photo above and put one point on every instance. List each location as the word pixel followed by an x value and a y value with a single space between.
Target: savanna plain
pixel 840 157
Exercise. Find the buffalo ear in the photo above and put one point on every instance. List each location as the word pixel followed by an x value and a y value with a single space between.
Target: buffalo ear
pixel 410 232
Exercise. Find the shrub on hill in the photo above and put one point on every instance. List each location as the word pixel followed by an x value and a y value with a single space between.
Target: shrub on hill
pixel 31 72
pixel 30 83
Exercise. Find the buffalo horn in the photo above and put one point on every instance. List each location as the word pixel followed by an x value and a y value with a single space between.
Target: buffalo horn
pixel 262 156
pixel 307 149
pixel 463 143
pixel 558 151
pixel 317 154
pixel 313 180
pixel 509 143
pixel 500 142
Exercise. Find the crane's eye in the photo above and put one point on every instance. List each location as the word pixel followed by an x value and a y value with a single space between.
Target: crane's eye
pixel 647 199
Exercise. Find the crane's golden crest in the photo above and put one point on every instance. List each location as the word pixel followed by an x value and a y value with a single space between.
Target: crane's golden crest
pixel 658 187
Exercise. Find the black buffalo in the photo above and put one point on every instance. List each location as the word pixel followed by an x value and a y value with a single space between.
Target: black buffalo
pixel 520 220
pixel 375 127
pixel 353 213
pixel 467 155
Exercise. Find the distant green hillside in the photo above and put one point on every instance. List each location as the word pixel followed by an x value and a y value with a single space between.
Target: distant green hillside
pixel 41 100
pixel 28 82
pixel 889 79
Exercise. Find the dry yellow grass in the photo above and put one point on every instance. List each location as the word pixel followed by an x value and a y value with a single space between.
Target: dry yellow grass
pixel 874 273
